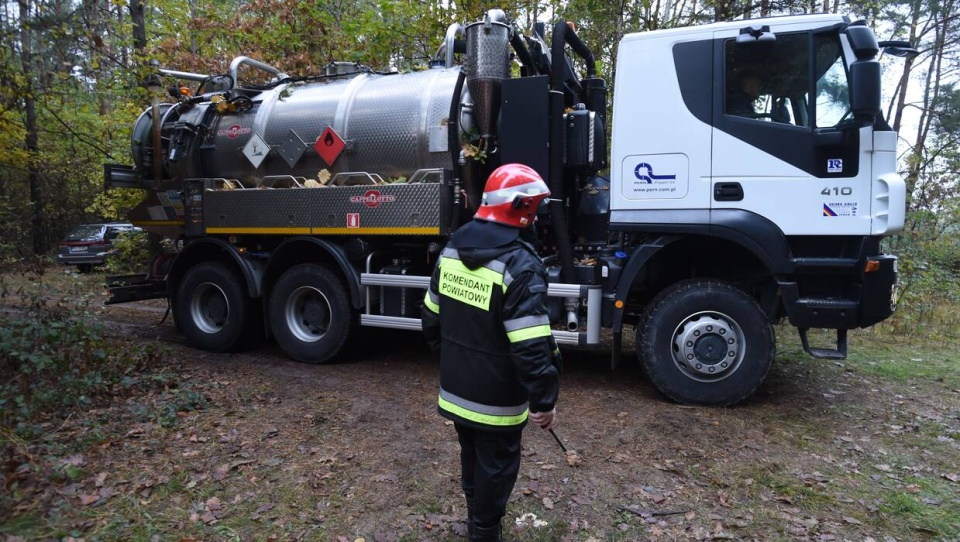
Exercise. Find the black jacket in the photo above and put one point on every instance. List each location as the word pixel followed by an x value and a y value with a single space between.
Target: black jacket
pixel 486 313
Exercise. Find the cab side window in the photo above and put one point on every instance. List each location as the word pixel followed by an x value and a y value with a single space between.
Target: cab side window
pixel 768 81
pixel 833 94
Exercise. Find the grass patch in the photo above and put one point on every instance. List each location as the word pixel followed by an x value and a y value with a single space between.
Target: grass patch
pixel 908 513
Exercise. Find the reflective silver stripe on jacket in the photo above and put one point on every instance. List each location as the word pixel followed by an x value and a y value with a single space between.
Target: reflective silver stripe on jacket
pixel 483 409
pixel 526 321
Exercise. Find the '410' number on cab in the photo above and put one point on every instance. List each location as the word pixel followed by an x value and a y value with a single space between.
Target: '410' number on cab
pixel 837 191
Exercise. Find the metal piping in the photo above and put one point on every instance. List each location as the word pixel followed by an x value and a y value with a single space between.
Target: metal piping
pixel 573 323
pixel 189 76
pixel 516 40
pixel 240 60
pixel 449 43
pixel 453 147
pixel 558 214
pixel 563 34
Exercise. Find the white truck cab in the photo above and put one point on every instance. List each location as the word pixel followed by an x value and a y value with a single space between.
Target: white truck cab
pixel 800 159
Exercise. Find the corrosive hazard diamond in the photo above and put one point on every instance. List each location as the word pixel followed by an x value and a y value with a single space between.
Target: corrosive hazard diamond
pixel 329 145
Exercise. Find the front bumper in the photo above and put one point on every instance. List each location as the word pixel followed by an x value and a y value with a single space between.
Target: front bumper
pixel 867 299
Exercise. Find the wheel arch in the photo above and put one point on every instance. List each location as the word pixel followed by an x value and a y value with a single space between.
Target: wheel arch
pixel 299 250
pixel 668 259
pixel 213 250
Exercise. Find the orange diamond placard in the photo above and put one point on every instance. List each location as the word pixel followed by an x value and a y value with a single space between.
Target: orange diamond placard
pixel 329 145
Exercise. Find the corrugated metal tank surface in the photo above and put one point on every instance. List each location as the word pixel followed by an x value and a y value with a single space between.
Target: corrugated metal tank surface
pixel 393 125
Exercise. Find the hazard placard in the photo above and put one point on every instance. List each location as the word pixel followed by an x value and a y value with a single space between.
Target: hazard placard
pixel 329 145
pixel 256 150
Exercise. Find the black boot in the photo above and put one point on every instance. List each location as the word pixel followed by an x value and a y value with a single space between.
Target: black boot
pixel 486 534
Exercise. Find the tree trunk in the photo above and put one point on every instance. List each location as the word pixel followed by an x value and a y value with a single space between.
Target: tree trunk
pixel 907 68
pixel 139 26
pixel 37 226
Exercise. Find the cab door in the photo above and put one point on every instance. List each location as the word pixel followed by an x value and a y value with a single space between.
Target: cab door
pixel 797 160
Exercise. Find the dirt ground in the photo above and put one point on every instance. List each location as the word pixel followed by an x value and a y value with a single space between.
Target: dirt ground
pixel 255 446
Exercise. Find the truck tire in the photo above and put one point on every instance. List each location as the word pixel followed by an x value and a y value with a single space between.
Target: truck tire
pixel 212 308
pixel 310 314
pixel 705 342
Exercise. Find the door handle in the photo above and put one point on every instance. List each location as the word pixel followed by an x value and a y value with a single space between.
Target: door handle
pixel 728 192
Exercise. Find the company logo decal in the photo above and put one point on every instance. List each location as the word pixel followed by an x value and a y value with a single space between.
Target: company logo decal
pixel 644 172
pixel 842 208
pixel 234 131
pixel 373 198
pixel 655 176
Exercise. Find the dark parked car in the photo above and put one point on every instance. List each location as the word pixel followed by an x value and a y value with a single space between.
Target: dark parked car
pixel 89 244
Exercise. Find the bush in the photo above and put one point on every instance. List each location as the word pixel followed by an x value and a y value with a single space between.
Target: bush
pixel 131 253
pixel 54 359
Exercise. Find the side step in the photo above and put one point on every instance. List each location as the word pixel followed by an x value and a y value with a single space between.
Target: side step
pixel 825 353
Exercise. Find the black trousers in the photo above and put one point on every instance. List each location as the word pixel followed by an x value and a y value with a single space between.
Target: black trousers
pixel 489 463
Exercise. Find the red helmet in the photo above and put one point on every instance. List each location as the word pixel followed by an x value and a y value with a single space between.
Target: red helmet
pixel 512 195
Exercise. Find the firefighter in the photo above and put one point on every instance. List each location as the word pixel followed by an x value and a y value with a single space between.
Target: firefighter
pixel 486 313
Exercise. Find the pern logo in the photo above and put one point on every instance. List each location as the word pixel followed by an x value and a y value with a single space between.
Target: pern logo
pixel 644 172
pixel 373 198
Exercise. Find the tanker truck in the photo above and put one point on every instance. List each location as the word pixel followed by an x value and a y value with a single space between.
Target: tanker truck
pixel 303 208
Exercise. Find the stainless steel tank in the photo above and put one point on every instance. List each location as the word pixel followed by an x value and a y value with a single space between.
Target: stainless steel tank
pixel 392 125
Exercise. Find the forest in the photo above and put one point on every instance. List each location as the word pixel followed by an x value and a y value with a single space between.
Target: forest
pixel 111 428
pixel 76 73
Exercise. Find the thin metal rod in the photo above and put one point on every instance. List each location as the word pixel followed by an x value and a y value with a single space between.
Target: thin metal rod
pixel 562 447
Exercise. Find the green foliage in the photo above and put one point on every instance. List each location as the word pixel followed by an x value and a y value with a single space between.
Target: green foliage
pixel 55 359
pixel 131 253
pixel 929 253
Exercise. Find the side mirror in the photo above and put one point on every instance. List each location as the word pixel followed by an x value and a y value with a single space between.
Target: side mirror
pixel 862 40
pixel 865 89
pixel 899 48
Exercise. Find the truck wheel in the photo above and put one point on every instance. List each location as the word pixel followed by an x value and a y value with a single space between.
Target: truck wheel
pixel 310 314
pixel 705 342
pixel 212 308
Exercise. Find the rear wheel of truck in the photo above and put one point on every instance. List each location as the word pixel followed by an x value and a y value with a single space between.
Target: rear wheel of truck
pixel 310 314
pixel 212 308
pixel 705 342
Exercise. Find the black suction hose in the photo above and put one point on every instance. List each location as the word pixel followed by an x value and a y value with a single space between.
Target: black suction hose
pixel 523 53
pixel 558 215
pixel 453 140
